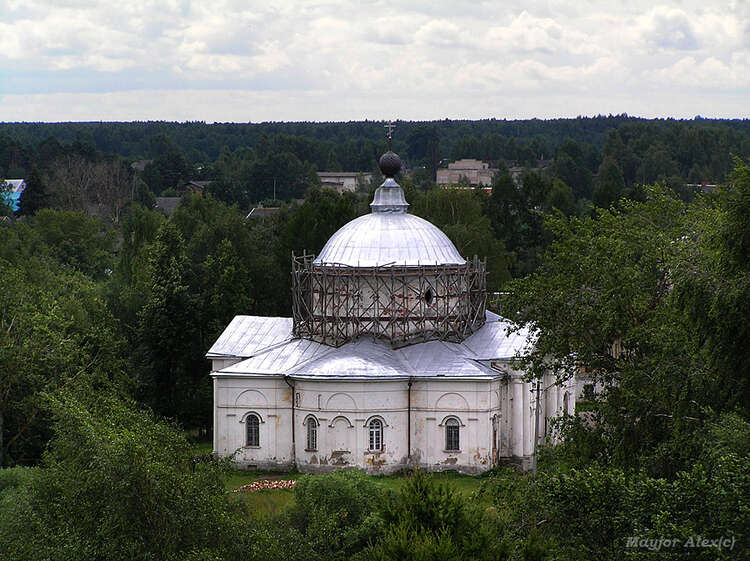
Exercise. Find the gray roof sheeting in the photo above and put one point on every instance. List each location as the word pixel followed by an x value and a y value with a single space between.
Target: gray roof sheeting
pixel 389 238
pixel 246 336
pixel 493 342
pixel 271 350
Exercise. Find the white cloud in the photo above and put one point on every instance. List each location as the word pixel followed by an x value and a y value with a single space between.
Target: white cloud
pixel 318 59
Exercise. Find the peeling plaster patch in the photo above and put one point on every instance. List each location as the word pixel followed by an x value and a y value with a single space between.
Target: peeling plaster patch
pixel 338 458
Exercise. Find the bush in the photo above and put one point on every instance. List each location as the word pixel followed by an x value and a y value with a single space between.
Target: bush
pixel 430 521
pixel 16 477
pixel 117 485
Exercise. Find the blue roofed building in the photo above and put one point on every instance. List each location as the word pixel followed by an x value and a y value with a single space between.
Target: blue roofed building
pixel 10 193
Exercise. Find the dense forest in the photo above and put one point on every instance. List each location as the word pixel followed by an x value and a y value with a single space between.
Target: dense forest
pixel 108 307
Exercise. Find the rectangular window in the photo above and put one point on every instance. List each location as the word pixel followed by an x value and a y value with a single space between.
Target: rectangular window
pixel 312 434
pixel 376 435
pixel 451 437
pixel 253 430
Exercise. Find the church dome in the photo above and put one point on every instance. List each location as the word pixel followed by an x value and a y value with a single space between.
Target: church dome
pixel 389 239
pixel 389 236
pixel 388 275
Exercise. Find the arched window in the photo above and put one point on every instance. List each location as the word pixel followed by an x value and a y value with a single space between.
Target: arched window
pixel 376 435
pixel 566 403
pixel 312 433
pixel 452 441
pixel 253 430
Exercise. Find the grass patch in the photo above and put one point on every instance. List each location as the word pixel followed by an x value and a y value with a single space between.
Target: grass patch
pixel 463 484
pixel 268 502
pixel 200 448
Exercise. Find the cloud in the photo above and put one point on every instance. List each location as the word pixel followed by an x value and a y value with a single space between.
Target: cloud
pixel 669 28
pixel 316 59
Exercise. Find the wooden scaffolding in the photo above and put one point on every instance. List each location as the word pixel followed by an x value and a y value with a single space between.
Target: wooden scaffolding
pixel 401 304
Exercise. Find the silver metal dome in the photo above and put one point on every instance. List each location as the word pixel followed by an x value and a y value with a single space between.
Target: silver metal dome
pixel 389 238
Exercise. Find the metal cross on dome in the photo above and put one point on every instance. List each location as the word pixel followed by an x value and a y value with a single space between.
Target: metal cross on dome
pixel 390 126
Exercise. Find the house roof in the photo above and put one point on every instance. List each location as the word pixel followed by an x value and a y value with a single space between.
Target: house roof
pixel 263 211
pixel 334 174
pixel 268 347
pixel 167 204
pixel 15 185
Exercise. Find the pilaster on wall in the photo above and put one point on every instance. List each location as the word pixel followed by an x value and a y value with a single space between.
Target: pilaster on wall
pixel 517 406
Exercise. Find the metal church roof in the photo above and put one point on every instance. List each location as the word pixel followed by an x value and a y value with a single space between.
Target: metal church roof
pixel 384 238
pixel 274 351
pixel 245 336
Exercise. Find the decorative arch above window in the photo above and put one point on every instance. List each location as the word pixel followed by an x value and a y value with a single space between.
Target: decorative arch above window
pixel 449 417
pixel 244 417
pixel 338 418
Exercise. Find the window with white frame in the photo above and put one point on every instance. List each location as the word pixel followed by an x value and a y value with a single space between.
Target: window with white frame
pixel 452 441
pixel 376 435
pixel 312 433
pixel 252 423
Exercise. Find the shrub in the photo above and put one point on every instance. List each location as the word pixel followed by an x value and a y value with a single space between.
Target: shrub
pixel 118 485
pixel 426 520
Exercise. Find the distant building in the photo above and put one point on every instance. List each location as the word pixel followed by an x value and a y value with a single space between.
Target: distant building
pixel 167 204
pixel 10 194
pixel 193 187
pixel 703 187
pixel 515 173
pixel 344 180
pixel 140 165
pixel 262 212
pixel 474 172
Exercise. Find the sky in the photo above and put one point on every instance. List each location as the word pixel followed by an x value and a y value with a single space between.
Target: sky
pixel 242 60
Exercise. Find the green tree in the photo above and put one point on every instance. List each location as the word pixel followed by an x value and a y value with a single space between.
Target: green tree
pixel 603 301
pixel 610 184
pixel 712 286
pixel 427 521
pixel 561 198
pixel 167 330
pixel 34 196
pixel 117 484
pixel 55 331
pixel 79 241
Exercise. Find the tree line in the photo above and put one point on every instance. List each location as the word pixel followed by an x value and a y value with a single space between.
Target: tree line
pixel 105 317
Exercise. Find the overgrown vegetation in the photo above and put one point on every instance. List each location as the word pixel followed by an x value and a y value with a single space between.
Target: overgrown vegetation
pixel 108 306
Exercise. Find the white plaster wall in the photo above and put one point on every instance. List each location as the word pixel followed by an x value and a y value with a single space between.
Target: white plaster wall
pixel 221 363
pixel 472 403
pixel 343 409
pixel 269 398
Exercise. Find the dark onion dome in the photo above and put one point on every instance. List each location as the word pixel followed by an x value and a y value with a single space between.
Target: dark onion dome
pixel 390 164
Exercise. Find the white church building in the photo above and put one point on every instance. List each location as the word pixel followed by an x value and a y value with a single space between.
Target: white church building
pixel 390 360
